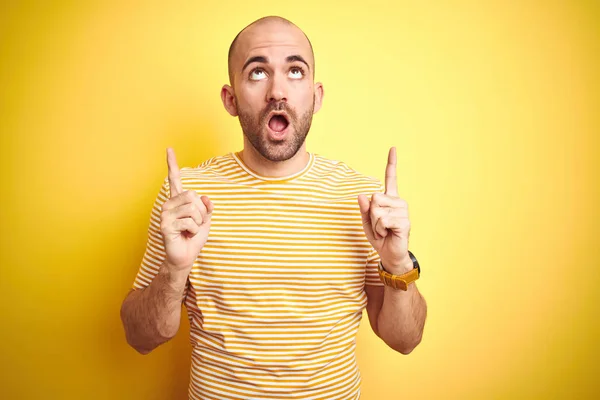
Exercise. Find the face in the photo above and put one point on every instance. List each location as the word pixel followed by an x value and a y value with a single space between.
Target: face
pixel 273 92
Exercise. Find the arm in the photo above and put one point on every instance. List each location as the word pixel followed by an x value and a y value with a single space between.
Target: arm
pixel 151 316
pixel 397 316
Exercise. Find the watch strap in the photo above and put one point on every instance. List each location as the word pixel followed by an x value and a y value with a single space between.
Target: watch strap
pixel 400 282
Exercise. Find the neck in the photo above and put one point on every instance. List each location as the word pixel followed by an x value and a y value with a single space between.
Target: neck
pixel 273 169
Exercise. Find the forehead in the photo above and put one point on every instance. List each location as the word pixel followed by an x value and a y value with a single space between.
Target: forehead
pixel 273 40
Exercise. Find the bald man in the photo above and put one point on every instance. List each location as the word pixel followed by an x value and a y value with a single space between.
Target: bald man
pixel 273 250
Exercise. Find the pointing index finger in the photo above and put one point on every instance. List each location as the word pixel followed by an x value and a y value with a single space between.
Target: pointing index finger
pixel 391 183
pixel 174 178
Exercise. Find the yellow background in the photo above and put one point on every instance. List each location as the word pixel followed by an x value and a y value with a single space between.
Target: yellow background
pixel 493 107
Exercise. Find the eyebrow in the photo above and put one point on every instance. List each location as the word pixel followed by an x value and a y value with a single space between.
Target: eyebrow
pixel 296 57
pixel 258 59
pixel 262 59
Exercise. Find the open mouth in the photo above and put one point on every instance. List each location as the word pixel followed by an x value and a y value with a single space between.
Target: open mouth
pixel 278 123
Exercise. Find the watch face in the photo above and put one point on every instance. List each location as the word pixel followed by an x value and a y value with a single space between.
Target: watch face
pixel 415 262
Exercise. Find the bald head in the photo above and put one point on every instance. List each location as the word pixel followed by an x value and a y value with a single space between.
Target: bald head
pixel 245 40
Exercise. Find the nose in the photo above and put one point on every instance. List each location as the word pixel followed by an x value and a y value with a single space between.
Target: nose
pixel 277 90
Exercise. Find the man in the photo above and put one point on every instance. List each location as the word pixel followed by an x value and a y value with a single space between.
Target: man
pixel 275 251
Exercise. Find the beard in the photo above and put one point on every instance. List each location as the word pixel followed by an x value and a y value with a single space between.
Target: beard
pixel 255 129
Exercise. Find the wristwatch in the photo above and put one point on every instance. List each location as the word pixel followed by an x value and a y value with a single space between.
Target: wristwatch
pixel 400 281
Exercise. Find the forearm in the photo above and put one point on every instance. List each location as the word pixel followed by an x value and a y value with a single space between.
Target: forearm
pixel 151 316
pixel 402 318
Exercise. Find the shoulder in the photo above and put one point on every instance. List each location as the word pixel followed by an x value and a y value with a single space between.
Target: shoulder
pixel 213 169
pixel 212 166
pixel 337 171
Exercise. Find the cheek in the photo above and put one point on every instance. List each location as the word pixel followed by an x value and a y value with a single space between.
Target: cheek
pixel 248 106
pixel 248 96
pixel 304 94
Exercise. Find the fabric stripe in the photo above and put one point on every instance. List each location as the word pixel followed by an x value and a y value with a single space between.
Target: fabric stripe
pixel 275 297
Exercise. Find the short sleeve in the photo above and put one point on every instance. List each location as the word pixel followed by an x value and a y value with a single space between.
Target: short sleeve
pixel 155 251
pixel 372 269
pixel 372 264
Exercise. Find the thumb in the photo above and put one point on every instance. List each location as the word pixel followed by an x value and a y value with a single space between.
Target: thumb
pixel 365 204
pixel 209 207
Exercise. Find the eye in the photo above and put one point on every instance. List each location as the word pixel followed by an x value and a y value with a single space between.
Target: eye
pixel 296 73
pixel 257 74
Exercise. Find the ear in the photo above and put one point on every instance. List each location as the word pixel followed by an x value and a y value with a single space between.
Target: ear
pixel 318 96
pixel 228 98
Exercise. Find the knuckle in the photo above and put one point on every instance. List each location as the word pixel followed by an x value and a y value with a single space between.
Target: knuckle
pixel 164 215
pixel 200 205
pixel 191 224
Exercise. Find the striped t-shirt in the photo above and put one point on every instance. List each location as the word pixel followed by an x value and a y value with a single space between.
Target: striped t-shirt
pixel 276 295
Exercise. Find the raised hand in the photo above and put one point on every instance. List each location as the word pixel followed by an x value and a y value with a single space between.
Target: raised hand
pixel 184 221
pixel 385 222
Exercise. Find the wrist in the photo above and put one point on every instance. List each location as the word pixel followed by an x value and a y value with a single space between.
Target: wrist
pixel 174 278
pixel 398 268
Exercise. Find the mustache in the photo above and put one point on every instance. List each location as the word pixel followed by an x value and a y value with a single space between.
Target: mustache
pixel 278 106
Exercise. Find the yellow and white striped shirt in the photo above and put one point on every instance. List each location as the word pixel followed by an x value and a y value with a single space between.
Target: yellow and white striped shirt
pixel 276 295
